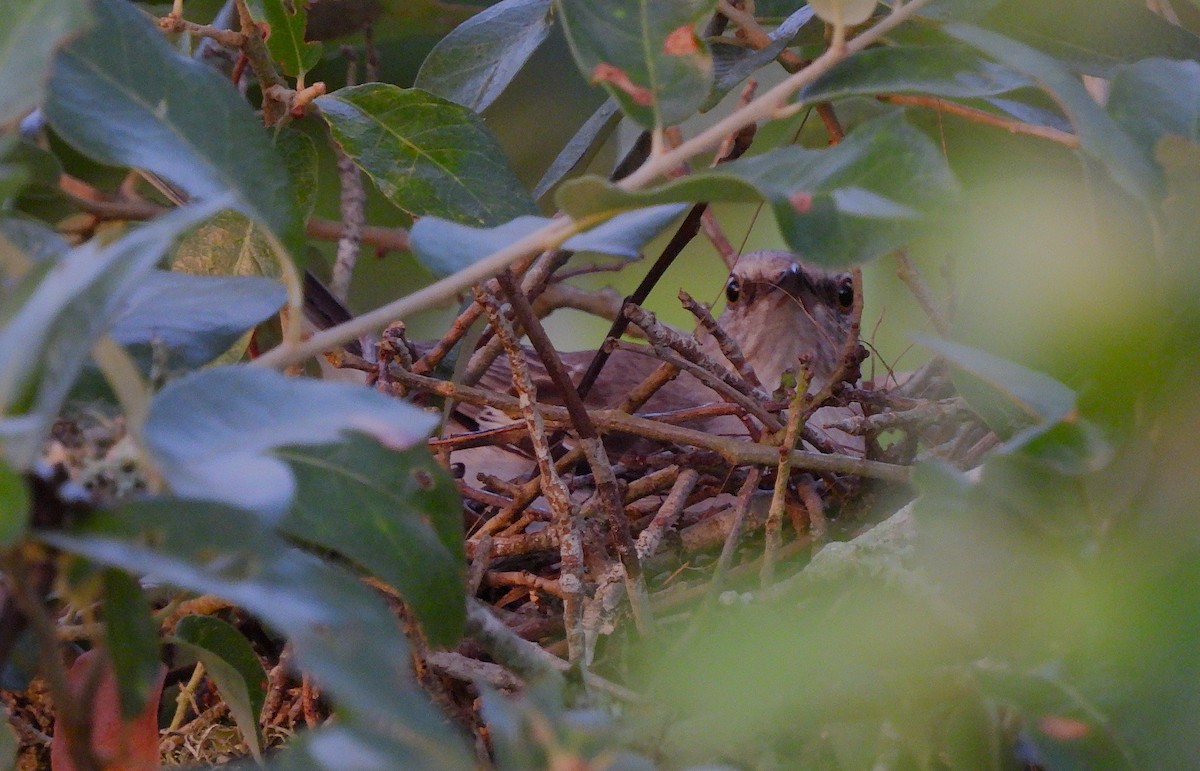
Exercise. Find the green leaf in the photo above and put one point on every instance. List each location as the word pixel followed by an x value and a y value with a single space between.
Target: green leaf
pixel 32 31
pixel 14 506
pixel 1017 402
pixel 233 666
pixel 581 148
pixel 123 96
pixel 446 247
pixel 230 244
pixel 132 639
pixel 1156 98
pixel 285 41
pixel 341 632
pixel 47 338
pixel 847 203
pixel 211 432
pixel 299 154
pixel 1099 136
pixel 193 318
pixel 939 70
pixel 397 515
pixel 473 64
pixel 646 54
pixel 734 63
pixel 1092 35
pixel 426 154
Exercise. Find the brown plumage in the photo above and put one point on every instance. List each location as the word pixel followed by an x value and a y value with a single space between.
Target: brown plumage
pixel 776 309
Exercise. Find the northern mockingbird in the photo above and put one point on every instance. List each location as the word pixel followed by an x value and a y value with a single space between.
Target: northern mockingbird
pixel 776 309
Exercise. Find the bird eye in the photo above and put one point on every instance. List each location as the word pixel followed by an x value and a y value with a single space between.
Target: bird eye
pixel 845 295
pixel 733 290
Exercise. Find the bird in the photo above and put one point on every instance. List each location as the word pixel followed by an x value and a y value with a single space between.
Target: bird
pixel 777 308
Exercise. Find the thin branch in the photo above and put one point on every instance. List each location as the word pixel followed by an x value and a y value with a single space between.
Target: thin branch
pixel 1064 138
pixel 589 439
pixel 566 524
pixel 783 473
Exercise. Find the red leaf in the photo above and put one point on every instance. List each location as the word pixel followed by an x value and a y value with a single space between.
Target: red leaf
pixel 121 745
pixel 610 73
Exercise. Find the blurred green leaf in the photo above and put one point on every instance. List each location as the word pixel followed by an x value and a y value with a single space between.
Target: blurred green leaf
pixel 32 32
pixel 230 244
pixel 194 319
pixel 1092 35
pixel 14 506
pixel 429 156
pixel 1018 403
pixel 233 666
pixel 362 747
pixel 285 39
pixel 212 432
pixel 47 339
pixel 1155 98
pixel 473 64
pixel 122 95
pixel 1099 136
pixel 341 632
pixel 446 247
pixel 939 70
pixel 844 204
pixel 397 515
pixel 132 639
pixel 646 54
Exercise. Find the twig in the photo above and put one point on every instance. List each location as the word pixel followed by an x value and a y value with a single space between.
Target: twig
pixel 469 670
pixel 729 347
pixel 908 273
pixel 593 448
pixel 1064 138
pixel 523 578
pixel 352 201
pixel 733 450
pixel 671 508
pixel 527 659
pixel 568 530
pixel 260 61
pixel 226 37
pixel 774 524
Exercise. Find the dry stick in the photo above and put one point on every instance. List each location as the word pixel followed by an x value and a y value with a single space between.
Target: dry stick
pixel 741 508
pixel 560 229
pixel 671 508
pixel 912 278
pixel 531 489
pixel 352 203
pixel 729 347
pixel 1064 138
pixel 774 526
pixel 565 524
pixel 522 578
pixel 527 659
pixel 733 450
pixel 716 236
pixel 593 448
